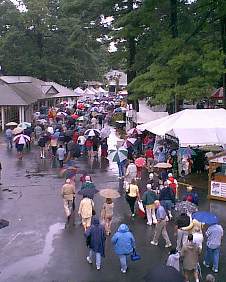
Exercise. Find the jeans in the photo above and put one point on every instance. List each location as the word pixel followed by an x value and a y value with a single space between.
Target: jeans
pixel 121 169
pixel 212 256
pixel 98 257
pixel 123 262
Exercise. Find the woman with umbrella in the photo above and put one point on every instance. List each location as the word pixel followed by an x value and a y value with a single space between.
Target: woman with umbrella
pixel 107 209
pixel 20 140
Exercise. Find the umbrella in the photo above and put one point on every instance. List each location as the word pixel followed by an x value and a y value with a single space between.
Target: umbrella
pixel 17 130
pixel 88 192
pixel 118 155
pixel 130 142
pixel 134 131
pixel 163 165
pixel 140 162
pixel 75 116
pixel 62 114
pixel 24 125
pixel 68 172
pixel 92 132
pixel 42 121
pixel 186 207
pixel 105 132
pixel 109 193
pixel 163 273
pixel 205 217
pixel 186 152
pixel 3 223
pixel 21 138
pixel 81 118
pixel 12 123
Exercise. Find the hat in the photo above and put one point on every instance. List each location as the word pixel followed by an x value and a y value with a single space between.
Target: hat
pixel 149 186
pixel 170 175
pixel 68 181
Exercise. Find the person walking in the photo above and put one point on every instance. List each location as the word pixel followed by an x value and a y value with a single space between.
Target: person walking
pixel 131 171
pixel 107 214
pixel 173 184
pixel 149 197
pixel 190 256
pixel 53 145
pixel 9 138
pixel 86 208
pixel 124 244
pixel 167 199
pixel 132 194
pixel 61 152
pixel 160 227
pixel 95 238
pixel 42 144
pixel 121 168
pixel 68 194
pixel 214 235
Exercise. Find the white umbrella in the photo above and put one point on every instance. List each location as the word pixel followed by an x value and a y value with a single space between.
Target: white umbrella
pixel 12 123
pixel 109 193
pixel 24 125
pixel 21 139
pixel 163 165
pixel 61 114
pixel 118 155
pixel 92 132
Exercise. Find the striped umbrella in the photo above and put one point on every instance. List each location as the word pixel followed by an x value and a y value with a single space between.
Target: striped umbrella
pixel 118 155
pixel 92 132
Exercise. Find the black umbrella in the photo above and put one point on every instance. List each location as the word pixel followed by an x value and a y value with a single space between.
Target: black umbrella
pixel 164 273
pixel 88 192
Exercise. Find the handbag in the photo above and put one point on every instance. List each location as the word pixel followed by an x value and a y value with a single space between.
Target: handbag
pixel 135 256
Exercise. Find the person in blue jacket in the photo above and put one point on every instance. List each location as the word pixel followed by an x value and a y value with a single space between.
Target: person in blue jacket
pixel 124 244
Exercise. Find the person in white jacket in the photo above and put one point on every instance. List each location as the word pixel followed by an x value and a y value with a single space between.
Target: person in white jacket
pixel 173 259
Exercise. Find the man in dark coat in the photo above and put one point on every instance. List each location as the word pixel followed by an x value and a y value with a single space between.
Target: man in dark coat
pixel 95 239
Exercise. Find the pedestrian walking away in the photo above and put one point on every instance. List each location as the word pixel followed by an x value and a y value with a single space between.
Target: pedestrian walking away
pixel 68 194
pixel 61 152
pixel 124 244
pixel 86 208
pixel 95 239
pixel 107 214
pixel 132 194
pixel 149 197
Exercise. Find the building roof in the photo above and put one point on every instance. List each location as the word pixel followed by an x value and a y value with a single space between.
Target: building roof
pixel 28 90
pixel 8 97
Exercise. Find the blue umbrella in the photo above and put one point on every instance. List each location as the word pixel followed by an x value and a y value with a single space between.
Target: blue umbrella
pixel 205 217
pixel 187 152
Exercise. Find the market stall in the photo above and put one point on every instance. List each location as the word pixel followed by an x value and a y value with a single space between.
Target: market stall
pixel 217 177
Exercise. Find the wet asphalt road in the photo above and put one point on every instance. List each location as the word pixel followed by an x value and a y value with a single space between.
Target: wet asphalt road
pixel 36 247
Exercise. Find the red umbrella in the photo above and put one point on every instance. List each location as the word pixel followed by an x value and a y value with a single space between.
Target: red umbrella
pixel 75 116
pixel 140 162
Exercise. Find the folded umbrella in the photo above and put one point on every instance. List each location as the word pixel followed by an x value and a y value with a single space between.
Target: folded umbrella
pixel 206 217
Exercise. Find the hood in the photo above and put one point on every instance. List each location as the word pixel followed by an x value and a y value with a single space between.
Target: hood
pixel 95 221
pixel 123 228
pixel 175 256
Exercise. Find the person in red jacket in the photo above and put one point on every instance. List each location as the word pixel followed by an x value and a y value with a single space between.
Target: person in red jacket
pixel 172 182
pixel 149 155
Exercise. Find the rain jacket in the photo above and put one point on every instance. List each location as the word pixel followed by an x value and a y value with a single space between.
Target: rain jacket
pixel 123 241
pixel 149 197
pixel 173 260
pixel 190 254
pixel 97 237
pixel 87 185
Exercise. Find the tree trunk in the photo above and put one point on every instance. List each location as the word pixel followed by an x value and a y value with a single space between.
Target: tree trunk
pixel 223 38
pixel 131 73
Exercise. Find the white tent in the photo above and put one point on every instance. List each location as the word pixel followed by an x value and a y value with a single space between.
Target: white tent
pixel 192 127
pixel 79 91
pixel 102 90
pixel 88 91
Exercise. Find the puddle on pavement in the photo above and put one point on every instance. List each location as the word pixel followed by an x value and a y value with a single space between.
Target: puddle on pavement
pixel 34 263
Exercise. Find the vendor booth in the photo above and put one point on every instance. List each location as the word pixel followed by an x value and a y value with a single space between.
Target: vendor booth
pixel 217 177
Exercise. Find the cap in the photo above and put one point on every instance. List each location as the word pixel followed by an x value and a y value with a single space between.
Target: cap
pixel 170 174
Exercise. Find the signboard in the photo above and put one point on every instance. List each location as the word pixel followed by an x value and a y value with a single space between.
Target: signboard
pixel 218 189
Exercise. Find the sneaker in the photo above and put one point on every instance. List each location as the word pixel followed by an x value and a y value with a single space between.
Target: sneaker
pixel 154 243
pixel 215 270
pixel 123 270
pixel 89 260
pixel 149 223
pixel 205 264
pixel 133 214
pixel 98 267
pixel 168 245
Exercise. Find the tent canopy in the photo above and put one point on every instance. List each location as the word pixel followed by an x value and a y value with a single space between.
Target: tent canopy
pixel 192 127
pixel 78 90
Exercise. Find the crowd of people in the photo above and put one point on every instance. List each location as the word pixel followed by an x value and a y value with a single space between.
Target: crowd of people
pixel 148 173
